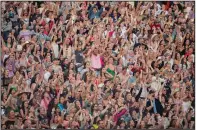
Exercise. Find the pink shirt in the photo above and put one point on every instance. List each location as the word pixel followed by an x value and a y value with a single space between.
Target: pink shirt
pixel 119 115
pixel 65 123
pixel 96 62
pixel 44 103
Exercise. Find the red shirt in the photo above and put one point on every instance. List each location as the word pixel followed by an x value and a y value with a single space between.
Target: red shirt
pixel 134 69
pixel 84 7
pixel 51 24
pixel 43 23
pixel 119 115
pixel 46 32
pixel 155 25
pixel 167 5
pixel 92 38
pixel 187 54
pixel 111 33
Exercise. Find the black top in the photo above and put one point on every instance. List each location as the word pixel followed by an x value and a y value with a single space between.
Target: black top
pixel 79 56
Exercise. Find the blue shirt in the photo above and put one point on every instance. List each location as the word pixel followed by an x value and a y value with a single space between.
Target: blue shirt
pixel 93 15
pixel 154 107
pixel 132 79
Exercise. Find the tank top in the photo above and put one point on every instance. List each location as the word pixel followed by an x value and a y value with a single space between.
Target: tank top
pixel 23 62
pixel 96 62
pixel 55 49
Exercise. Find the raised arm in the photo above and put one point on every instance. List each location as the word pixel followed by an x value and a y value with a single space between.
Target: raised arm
pixel 140 118
pixel 75 42
pixel 173 51
pixel 100 11
pixel 83 43
pixel 8 100
pixel 90 11
pixel 30 8
pixel 103 111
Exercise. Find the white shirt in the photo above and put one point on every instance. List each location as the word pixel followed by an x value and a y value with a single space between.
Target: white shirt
pixel 56 68
pixel 158 10
pixel 124 60
pixel 135 39
pixel 47 75
pixel 144 93
pixel 55 49
pixel 123 31
pixel 5 56
pixel 156 83
pixel 3 5
pixel 186 105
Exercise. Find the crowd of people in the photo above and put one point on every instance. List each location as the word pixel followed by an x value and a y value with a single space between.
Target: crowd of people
pixel 97 65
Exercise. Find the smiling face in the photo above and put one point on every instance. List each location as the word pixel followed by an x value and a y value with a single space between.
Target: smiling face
pixel 129 97
pixel 9 40
pixel 94 10
pixel 62 100
pixel 132 124
pixel 24 26
pixel 5 96
pixel 26 13
pixel 22 40
pixel 55 119
pixel 37 11
pixel 11 114
pixel 46 95
pixel 25 104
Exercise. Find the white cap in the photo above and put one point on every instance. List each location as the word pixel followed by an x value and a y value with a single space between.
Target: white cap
pixel 19 48
pixel 159 58
pixel 101 85
pixel 154 78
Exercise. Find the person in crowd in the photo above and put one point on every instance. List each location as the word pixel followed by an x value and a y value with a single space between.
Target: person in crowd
pixel 97 65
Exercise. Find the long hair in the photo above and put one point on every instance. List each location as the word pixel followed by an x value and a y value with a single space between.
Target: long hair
pixel 50 107
pixel 11 43
pixel 23 107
